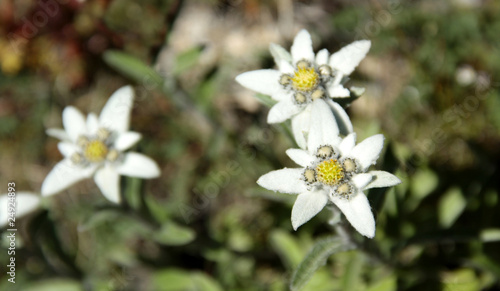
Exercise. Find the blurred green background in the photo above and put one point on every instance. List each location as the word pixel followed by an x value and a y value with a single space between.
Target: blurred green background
pixel 432 89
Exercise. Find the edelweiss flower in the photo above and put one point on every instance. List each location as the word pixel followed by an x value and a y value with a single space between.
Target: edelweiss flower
pixel 96 147
pixel 25 203
pixel 333 169
pixel 302 78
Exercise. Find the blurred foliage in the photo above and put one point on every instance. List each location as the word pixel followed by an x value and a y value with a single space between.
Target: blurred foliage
pixel 431 88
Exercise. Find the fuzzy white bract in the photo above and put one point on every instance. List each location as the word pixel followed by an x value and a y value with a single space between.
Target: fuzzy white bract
pixel 95 147
pixel 25 203
pixel 332 170
pixel 304 77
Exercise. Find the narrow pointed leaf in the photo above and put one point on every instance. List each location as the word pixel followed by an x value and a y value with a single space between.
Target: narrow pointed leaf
pixel 187 60
pixel 287 248
pixel 174 234
pixel 266 100
pixel 315 259
pixel 133 68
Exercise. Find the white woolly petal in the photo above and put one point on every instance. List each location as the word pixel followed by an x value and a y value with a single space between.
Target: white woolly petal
pixel 338 91
pixel 262 81
pixel 279 54
pixel 92 123
pixel 74 123
pixel 58 133
pixel 282 111
pixel 126 140
pixel 324 130
pixel 65 174
pixel 138 165
pixel 347 144
pixel 286 67
pixel 284 181
pixel 302 47
pixel 382 179
pixel 341 117
pixel 307 205
pixel 367 151
pixel 349 57
pixel 300 126
pixel 361 180
pixel 301 157
pixel 358 212
pixel 67 149
pixel 115 115
pixel 108 181
pixel 322 57
pixel 26 202
pixel 281 95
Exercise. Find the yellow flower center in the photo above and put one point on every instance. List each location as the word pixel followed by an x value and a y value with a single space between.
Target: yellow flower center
pixel 330 172
pixel 95 151
pixel 305 79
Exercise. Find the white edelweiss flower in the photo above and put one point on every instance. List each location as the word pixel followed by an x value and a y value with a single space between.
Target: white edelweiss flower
pixel 25 203
pixel 304 77
pixel 333 169
pixel 95 147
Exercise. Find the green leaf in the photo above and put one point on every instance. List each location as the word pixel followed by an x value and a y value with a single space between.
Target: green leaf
pixel 156 208
pixel 391 203
pixel 490 235
pixel 266 100
pixel 133 68
pixel 287 248
pixel 423 183
pixel 55 285
pixel 206 92
pixel 461 280
pixel 487 263
pixel 187 60
pixel 240 240
pixel 174 234
pixel 386 284
pixel 133 192
pixel 451 205
pixel 351 278
pixel 98 218
pixel 175 280
pixel 317 258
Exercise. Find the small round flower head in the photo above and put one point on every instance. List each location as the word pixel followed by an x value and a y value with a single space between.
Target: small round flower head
pixel 113 155
pixel 299 98
pixel 285 80
pixel 330 172
pixel 307 81
pixel 325 71
pixel 345 190
pixel 95 149
pixel 309 176
pixel 82 141
pixel 76 158
pixel 103 134
pixel 351 165
pixel 325 152
pixel 319 93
